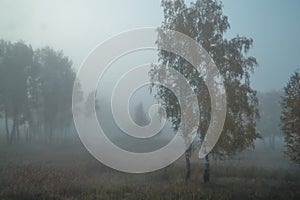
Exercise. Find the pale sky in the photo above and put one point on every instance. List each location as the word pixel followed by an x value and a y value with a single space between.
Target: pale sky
pixel 77 26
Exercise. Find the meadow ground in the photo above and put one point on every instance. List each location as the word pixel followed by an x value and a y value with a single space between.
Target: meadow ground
pixel 67 171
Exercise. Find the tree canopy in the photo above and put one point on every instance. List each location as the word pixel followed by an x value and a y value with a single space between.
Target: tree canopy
pixel 204 22
pixel 290 117
pixel 35 90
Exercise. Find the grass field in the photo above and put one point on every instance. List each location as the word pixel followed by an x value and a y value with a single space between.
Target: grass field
pixel 31 171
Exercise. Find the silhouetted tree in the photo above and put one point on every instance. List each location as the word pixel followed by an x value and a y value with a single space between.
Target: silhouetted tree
pixel 1 78
pixel 89 109
pixel 140 116
pixel 204 22
pixel 290 117
pixel 56 80
pixel 35 90
pixel 270 110
pixel 17 59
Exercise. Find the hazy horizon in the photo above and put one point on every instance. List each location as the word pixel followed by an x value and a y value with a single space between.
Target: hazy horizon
pixel 70 26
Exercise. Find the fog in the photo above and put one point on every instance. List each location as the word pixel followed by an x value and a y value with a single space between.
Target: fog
pixel 64 137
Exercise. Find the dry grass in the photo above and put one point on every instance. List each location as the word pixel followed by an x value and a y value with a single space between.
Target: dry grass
pixel 60 172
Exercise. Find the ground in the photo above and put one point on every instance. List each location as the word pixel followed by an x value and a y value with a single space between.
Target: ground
pixel 67 171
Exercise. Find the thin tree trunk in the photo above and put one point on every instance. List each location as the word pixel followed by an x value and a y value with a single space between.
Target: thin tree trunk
pixel 50 134
pixel 206 169
pixel 17 129
pixel 188 164
pixel 6 123
pixel 26 130
pixel 13 131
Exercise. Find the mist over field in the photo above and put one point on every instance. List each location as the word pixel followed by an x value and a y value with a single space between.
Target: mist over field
pixel 94 104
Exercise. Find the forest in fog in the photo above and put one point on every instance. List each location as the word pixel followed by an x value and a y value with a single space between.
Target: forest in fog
pixel 43 154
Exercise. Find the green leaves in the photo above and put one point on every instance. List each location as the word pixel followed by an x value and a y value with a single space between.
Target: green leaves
pixel 204 22
pixel 290 117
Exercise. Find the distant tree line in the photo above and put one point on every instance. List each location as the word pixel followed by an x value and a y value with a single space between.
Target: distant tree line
pixel 269 123
pixel 35 92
